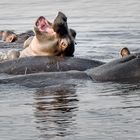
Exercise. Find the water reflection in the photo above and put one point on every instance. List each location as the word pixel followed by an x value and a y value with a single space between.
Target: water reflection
pixel 114 89
pixel 127 95
pixel 55 110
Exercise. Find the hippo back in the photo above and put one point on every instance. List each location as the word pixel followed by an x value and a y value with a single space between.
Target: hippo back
pixel 123 70
pixel 37 64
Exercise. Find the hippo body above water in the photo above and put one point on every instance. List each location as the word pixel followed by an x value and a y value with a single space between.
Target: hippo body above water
pixel 28 65
pixel 125 69
pixel 61 42
pixel 9 36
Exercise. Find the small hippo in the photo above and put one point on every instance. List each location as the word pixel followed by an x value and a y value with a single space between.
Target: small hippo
pixel 43 44
pixel 9 36
pixel 46 44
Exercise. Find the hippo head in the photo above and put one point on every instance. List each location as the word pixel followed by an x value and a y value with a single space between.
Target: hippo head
pixel 9 36
pixel 63 35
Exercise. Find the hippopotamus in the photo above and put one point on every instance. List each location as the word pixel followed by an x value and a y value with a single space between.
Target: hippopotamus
pixel 126 69
pixel 38 80
pixel 46 44
pixel 62 43
pixel 9 36
pixel 36 64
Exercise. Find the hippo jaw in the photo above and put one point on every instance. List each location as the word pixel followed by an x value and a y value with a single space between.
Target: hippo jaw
pixel 43 37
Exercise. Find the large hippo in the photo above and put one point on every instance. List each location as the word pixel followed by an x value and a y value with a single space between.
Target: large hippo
pixel 28 65
pixel 126 69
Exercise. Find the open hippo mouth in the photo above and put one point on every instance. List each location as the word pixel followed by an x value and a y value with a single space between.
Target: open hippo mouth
pixel 43 27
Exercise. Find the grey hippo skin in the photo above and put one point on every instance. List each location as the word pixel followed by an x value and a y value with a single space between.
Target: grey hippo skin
pixel 125 69
pixel 46 71
pixel 60 26
pixel 10 36
pixel 38 80
pixel 24 36
pixel 37 64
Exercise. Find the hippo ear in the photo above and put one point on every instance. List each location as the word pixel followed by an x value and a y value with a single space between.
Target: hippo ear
pixel 11 38
pixel 38 34
pixel 124 52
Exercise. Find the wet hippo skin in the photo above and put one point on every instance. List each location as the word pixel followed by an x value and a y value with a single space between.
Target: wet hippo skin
pixel 37 64
pixel 10 36
pixel 47 79
pixel 123 69
pixel 126 69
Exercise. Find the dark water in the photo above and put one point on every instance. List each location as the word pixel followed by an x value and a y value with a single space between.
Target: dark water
pixel 76 110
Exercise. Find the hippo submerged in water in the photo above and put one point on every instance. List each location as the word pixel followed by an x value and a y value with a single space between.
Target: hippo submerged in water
pixel 121 70
pixel 126 69
pixel 61 42
pixel 58 42
pixel 9 36
pixel 28 65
